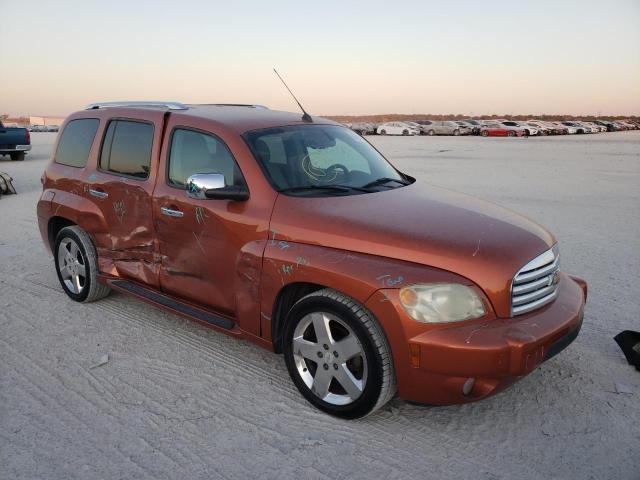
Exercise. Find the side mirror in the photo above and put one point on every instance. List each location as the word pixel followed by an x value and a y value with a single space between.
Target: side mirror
pixel 202 186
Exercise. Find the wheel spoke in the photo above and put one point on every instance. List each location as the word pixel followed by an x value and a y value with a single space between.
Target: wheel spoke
pixel 73 248
pixel 348 348
pixel 322 329
pixel 76 283
pixel 321 382
pixel 305 348
pixel 64 271
pixel 351 384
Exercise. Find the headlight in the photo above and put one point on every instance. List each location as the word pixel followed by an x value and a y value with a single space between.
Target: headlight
pixel 441 303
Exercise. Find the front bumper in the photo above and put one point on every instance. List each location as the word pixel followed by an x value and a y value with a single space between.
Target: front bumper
pixel 433 362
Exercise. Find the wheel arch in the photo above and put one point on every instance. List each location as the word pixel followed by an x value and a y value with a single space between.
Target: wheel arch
pixel 286 298
pixel 55 224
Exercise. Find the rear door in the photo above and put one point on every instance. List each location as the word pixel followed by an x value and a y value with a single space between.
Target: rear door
pixel 122 187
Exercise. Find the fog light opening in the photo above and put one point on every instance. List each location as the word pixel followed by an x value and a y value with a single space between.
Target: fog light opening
pixel 467 386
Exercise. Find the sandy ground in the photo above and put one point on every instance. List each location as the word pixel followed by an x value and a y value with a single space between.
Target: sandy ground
pixel 177 400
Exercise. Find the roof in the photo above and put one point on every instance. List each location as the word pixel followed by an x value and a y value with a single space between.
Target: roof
pixel 240 118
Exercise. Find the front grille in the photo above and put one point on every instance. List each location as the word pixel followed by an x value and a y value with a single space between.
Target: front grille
pixel 536 283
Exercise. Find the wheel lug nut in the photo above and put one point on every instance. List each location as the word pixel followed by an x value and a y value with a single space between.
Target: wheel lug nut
pixel 335 354
pixel 335 366
pixel 320 355
pixel 326 367
pixel 326 347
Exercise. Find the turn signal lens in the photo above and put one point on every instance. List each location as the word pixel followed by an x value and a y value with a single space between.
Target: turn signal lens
pixel 441 303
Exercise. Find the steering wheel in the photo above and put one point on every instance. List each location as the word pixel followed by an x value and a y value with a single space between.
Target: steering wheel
pixel 336 169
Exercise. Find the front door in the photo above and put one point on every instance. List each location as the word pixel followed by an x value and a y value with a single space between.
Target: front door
pixel 200 241
pixel 121 187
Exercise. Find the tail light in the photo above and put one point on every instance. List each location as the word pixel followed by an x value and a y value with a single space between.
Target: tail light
pixel 28 136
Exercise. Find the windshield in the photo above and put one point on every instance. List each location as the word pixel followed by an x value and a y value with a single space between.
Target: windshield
pixel 311 159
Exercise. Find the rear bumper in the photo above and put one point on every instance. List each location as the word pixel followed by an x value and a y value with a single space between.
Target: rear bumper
pixel 433 363
pixel 15 148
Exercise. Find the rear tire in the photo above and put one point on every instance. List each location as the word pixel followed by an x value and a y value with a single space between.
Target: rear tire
pixel 511 133
pixel 77 265
pixel 383 132
pixel 484 133
pixel 456 132
pixel 405 132
pixel 17 156
pixel 354 353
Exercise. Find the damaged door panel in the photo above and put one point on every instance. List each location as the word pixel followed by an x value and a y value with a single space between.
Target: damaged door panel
pixel 121 187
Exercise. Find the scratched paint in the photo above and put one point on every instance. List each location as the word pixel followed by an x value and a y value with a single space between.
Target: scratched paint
pixel 302 261
pixel 201 215
pixel 282 245
pixel 119 209
pixel 93 177
pixel 272 240
pixel 198 237
pixel 389 281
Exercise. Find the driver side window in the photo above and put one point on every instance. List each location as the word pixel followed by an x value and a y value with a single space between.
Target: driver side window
pixel 195 152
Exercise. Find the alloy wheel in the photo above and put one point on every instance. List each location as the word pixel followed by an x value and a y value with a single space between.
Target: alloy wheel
pixel 329 358
pixel 72 265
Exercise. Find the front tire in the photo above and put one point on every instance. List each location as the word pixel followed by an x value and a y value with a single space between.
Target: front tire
pixel 456 133
pixel 511 133
pixel 383 132
pixel 431 133
pixel 405 132
pixel 338 356
pixel 77 265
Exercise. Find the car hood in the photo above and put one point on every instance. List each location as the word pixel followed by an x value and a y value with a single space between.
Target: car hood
pixel 422 224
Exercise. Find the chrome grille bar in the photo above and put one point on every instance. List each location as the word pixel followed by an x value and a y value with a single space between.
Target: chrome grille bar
pixel 536 283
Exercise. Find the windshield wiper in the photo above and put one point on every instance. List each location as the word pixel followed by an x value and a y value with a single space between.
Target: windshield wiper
pixel 335 188
pixel 382 181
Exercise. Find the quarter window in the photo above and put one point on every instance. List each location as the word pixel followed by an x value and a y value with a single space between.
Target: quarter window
pixel 195 152
pixel 126 148
pixel 75 143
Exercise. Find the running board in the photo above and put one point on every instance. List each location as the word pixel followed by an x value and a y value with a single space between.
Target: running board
pixel 167 302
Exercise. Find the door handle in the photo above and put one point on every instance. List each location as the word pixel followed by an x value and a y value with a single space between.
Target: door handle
pixel 171 213
pixel 98 193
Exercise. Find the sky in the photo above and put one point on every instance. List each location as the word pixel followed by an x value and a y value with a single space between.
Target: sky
pixel 344 57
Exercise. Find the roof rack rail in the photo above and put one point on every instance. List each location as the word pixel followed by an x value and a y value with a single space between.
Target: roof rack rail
pixel 153 104
pixel 248 105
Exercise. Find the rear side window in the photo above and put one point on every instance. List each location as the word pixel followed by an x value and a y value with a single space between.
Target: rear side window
pixel 126 149
pixel 75 142
pixel 195 152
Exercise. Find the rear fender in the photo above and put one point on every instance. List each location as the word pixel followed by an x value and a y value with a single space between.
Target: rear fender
pixel 73 207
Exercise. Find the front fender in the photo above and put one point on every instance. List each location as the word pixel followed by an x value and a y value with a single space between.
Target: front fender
pixel 354 274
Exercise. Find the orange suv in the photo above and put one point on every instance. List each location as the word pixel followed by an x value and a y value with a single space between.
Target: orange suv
pixel 298 235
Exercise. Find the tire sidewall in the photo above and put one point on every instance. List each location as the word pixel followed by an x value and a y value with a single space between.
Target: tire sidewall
pixel 365 403
pixel 69 233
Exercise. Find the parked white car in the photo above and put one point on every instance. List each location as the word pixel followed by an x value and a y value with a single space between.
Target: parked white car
pixel 397 128
pixel 594 128
pixel 512 125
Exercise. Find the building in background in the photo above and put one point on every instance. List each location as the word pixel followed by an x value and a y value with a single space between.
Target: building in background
pixel 46 120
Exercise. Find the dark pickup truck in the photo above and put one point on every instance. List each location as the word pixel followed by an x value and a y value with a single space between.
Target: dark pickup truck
pixel 14 142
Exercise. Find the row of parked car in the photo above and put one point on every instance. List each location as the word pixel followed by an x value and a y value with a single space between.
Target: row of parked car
pixel 44 128
pixel 494 127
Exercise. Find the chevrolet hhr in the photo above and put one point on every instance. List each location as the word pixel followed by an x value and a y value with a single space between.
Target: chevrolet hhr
pixel 296 234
